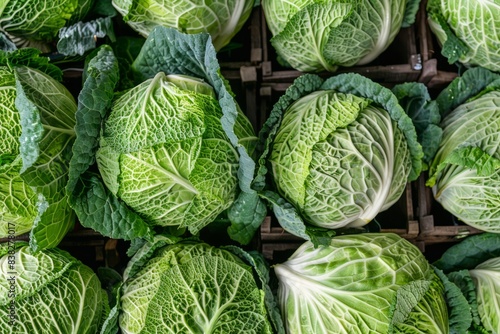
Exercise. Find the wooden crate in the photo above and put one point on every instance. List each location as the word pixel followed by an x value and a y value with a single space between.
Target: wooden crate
pixel 401 62
pixel 277 245
pixel 436 224
pixel 88 246
pixel 437 73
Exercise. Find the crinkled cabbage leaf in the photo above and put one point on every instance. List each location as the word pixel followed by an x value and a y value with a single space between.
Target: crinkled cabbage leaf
pixel 36 23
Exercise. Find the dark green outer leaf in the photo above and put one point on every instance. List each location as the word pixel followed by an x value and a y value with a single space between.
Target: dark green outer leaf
pixel 126 49
pixel 470 252
pixel 464 282
pixel 103 8
pixel 359 85
pixel 424 112
pixel 94 102
pixel 109 278
pixel 82 36
pixel 460 317
pixel 322 236
pixel 97 208
pixel 246 205
pixel 169 51
pixel 430 139
pixel 410 13
pixel 470 84
pixel 287 215
pixel 453 48
pixel 416 101
pixel 135 245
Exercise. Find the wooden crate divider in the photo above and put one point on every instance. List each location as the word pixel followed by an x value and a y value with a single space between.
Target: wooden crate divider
pixel 436 72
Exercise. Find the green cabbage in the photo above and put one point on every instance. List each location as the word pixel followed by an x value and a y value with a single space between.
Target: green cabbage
pixel 37 23
pixel 221 19
pixel 465 172
pixel 172 286
pixel 313 36
pixel 38 116
pixel 174 152
pixel 339 151
pixel 48 292
pixel 362 283
pixel 164 152
pixel 468 30
pixel 486 277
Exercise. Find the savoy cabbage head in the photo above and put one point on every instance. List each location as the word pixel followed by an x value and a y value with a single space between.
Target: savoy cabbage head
pixel 173 152
pixel 468 31
pixel 313 36
pixel 36 23
pixel 163 151
pixel 50 292
pixel 465 172
pixel 361 283
pixel 38 116
pixel 221 19
pixel 187 286
pixel 339 151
